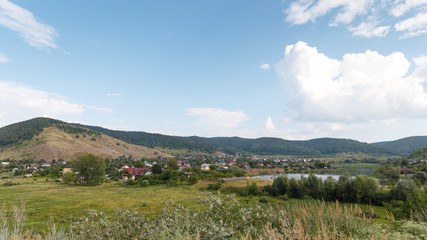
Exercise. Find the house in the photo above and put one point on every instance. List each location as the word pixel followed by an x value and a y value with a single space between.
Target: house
pixel 67 169
pixel 124 167
pixel 46 164
pixel 132 173
pixel 205 167
pixel 4 163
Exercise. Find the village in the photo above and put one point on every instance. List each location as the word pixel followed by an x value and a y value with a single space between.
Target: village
pixel 126 167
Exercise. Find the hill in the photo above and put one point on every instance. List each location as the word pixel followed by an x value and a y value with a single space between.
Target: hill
pixel 231 145
pixel 420 154
pixel 405 146
pixel 37 137
pixel 335 145
pixel 49 139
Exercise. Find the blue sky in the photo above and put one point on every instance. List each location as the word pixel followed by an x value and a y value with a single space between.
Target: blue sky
pixel 291 69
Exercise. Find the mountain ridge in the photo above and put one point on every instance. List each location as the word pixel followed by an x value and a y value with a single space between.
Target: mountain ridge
pixel 18 133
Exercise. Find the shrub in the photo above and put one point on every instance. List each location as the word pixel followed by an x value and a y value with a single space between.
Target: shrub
pixel 264 199
pixel 10 183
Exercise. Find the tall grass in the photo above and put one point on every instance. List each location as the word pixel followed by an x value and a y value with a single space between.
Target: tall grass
pixel 222 218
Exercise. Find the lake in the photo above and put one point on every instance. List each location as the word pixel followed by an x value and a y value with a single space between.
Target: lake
pixel 290 175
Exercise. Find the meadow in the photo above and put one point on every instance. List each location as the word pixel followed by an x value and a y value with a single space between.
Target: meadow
pixel 194 214
pixel 63 202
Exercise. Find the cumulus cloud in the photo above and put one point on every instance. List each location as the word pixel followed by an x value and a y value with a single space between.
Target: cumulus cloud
pixel 265 66
pixel 21 101
pixel 359 88
pixel 3 58
pixel 217 118
pixel 35 33
pixel 269 124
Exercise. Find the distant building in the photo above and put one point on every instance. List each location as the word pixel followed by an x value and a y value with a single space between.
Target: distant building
pixel 67 169
pixel 205 167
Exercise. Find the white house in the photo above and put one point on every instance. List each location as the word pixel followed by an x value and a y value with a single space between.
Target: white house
pixel 205 167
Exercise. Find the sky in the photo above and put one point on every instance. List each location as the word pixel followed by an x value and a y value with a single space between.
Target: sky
pixel 296 70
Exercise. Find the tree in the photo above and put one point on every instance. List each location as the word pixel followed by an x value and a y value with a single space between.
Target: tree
pixel 173 164
pixel 68 177
pixel 156 169
pixel 281 185
pixel 330 186
pixel 365 188
pixel 421 176
pixel 90 169
pixel 314 186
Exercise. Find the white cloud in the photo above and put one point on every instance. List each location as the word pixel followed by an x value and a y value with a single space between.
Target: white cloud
pixel 401 8
pixel 3 58
pixel 413 26
pixel 303 11
pixel 364 14
pixel 359 88
pixel 217 118
pixel 265 66
pixel 19 102
pixel 35 33
pixel 370 29
pixel 269 124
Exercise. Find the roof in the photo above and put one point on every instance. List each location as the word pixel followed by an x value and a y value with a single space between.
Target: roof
pixel 136 171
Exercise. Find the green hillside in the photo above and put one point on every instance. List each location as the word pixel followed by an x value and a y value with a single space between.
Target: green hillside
pixel 231 145
pixel 405 146
pixel 419 154
pixel 265 146
pixel 25 130
pixel 335 145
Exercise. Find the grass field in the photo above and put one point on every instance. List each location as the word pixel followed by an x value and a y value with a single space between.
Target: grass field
pixel 361 168
pixel 65 203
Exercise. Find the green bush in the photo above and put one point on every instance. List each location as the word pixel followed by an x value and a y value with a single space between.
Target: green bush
pixel 10 183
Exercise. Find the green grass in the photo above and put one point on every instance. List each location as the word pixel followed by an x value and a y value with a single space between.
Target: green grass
pixel 355 167
pixel 63 202
pixel 6 174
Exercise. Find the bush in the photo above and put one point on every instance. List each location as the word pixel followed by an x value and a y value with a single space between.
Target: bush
pixel 193 180
pixel 68 177
pixel 130 182
pixel 10 183
pixel 284 197
pixel 264 199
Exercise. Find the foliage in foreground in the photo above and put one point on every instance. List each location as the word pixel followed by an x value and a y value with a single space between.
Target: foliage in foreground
pixel 223 218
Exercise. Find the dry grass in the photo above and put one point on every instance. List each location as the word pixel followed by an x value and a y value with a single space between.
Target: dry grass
pixel 270 171
pixel 244 183
pixel 54 143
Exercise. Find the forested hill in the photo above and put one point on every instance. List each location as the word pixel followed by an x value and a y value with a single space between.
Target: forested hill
pixel 26 130
pixel 335 145
pixel 265 146
pixel 420 154
pixel 260 146
pixel 405 146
